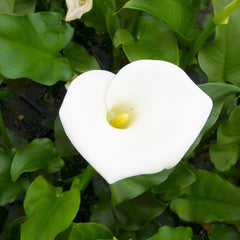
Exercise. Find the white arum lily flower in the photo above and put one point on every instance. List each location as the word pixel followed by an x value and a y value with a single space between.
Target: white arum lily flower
pixel 140 121
pixel 76 8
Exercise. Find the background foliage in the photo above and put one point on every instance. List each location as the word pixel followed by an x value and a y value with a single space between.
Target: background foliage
pixel 42 177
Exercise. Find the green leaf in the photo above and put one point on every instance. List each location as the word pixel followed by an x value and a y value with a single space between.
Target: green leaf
pixel 135 213
pixel 154 41
pixel 80 60
pixel 224 156
pixel 220 59
pixel 17 6
pixel 62 144
pixel 96 17
pixel 8 189
pixel 39 154
pixel 134 186
pixel 176 13
pixel 229 131
pixel 180 178
pixel 210 198
pixel 218 92
pixel 30 45
pixel 87 231
pixel 4 94
pixel 170 233
pixel 24 6
pixel 223 232
pixel 49 209
pixel 112 22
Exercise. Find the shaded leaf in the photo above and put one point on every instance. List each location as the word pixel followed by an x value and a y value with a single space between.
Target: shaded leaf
pixel 180 178
pixel 209 198
pixel 80 60
pixel 49 209
pixel 223 232
pixel 17 6
pixel 229 131
pixel 62 144
pixel 138 211
pixel 224 156
pixel 170 233
pixel 30 45
pixel 96 17
pixel 154 40
pixel 220 59
pixel 39 154
pixel 134 186
pixel 9 189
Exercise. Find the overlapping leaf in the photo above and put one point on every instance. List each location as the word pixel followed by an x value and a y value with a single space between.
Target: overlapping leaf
pixel 154 40
pixel 9 189
pixel 176 13
pixel 220 59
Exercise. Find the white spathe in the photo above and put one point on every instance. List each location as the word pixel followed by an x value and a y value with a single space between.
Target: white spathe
pixel 76 8
pixel 167 111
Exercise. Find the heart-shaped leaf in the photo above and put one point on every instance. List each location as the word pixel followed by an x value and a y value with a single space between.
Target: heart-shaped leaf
pixel 49 209
pixel 31 48
pixel 39 154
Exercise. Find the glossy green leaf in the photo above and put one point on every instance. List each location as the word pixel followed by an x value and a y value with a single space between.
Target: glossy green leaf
pixel 170 233
pixel 30 45
pixel 229 131
pixel 135 213
pixel 224 156
pixel 218 92
pixel 134 186
pixel 9 189
pixel 17 6
pixel 80 60
pixel 180 178
pixel 87 231
pixel 154 40
pixel 176 13
pixel 210 198
pixel 220 59
pixel 49 209
pixel 62 144
pixel 39 154
pixel 223 232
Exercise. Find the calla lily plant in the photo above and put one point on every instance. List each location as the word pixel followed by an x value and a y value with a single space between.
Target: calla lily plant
pixel 140 121
pixel 76 8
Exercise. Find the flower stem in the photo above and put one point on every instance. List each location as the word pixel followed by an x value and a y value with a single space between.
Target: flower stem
pixel 3 131
pixel 220 18
pixel 86 177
